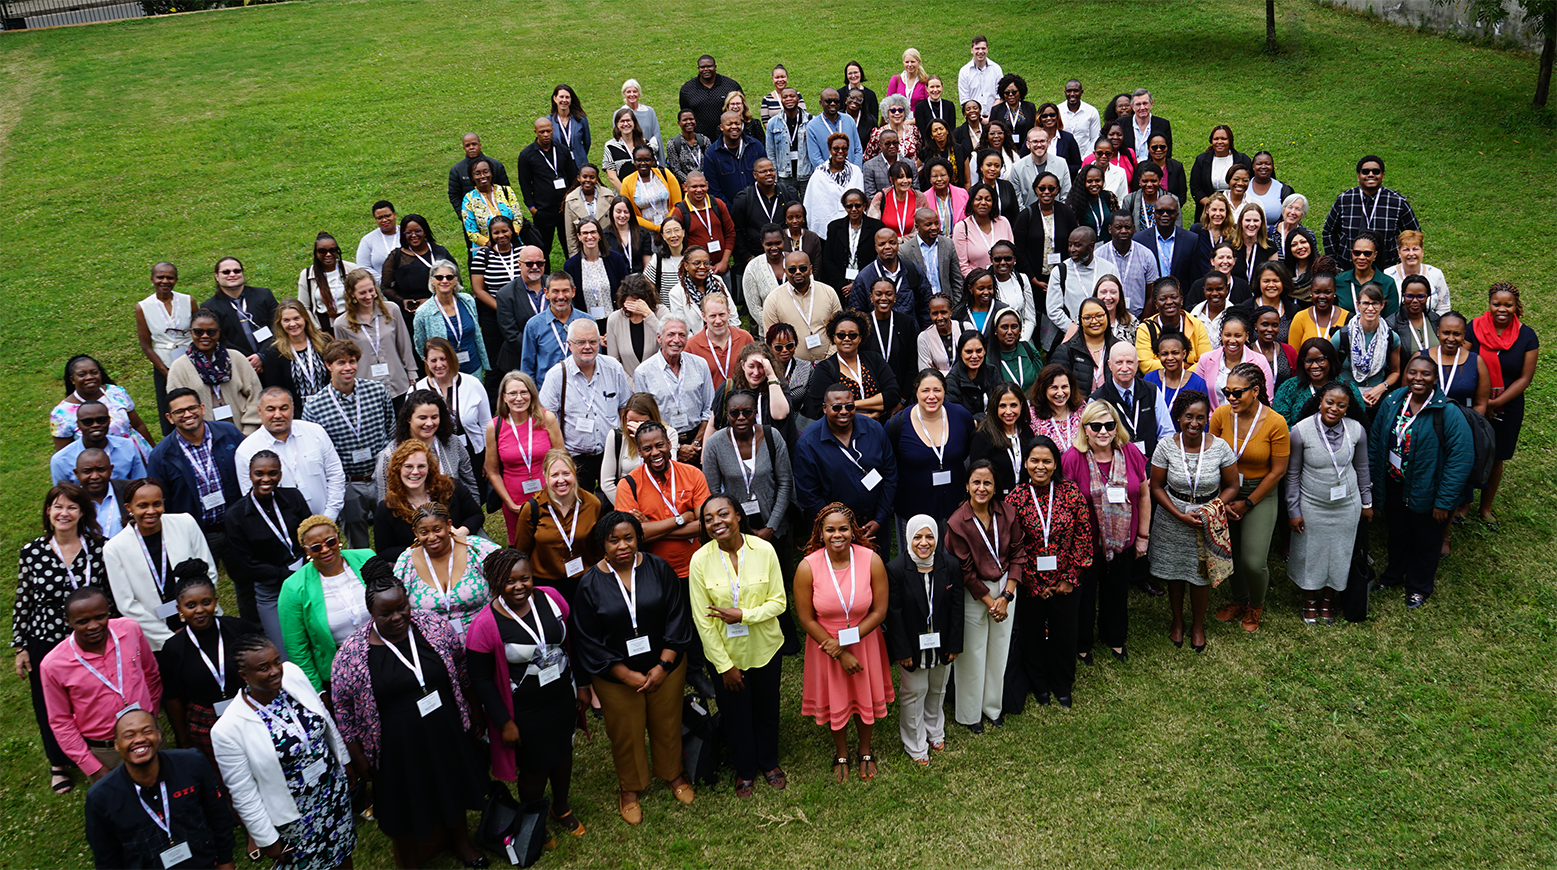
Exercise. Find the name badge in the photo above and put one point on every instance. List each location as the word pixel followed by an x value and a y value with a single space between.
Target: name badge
pixel 313 772
pixel 379 370
pixel 301 561
pixel 362 454
pixel 1054 259
pixel 701 710
pixel 262 334
pixel 849 274
pixel 586 425
pixel 1141 446
pixel 637 646
pixel 870 479
pixel 598 312
pixel 513 856
pixel 550 674
pixel 736 630
pixel 713 246
pixel 751 508
pixel 940 478
pixel 574 567
pixel 212 501
pixel 173 856
pixel 222 412
pixel 1338 492
pixel 532 486
pixel 930 640
pixel 429 703
pixel 463 356
pixel 794 155
pixel 1117 495
pixel 848 636
pixel 1394 458
pixel 220 707
pixel 558 184
pixel 1046 563
pixel 813 341
pixel 167 610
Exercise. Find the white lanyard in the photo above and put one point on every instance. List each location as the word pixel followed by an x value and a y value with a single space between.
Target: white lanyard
pixel 456 326
pixel 713 353
pixel 1135 416
pixel 939 449
pixel 428 260
pixel 561 343
pixel 1020 370
pixel 1238 446
pixel 67 563
pixel 551 161
pixel 157 569
pixel 708 224
pixel 1367 216
pixel 377 340
pixel 356 398
pixel 539 632
pixel 854 372
pixel 1324 331
pixel 164 820
pixel 810 308
pixel 218 670
pixel 886 348
pixel 1200 462
pixel 506 261
pixel 849 453
pixel 1422 341
pixel 770 212
pixel 746 476
pixel 414 664
pixel 289 722
pixel 1045 520
pixel 1334 457
pixel 854 245
pixel 1453 372
pixel 630 597
pixel 989 239
pixel 902 214
pixel 526 455
pixel 211 480
pixel 994 527
pixel 853 587
pixel 669 503
pixel 563 126
pixel 118 664
pixel 384 239
pixel 275 527
pixel 1183 379
pixel 443 592
pixel 572 532
pixel 740 568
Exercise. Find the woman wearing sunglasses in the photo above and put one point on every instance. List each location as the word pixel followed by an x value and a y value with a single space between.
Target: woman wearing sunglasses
pixel 322 602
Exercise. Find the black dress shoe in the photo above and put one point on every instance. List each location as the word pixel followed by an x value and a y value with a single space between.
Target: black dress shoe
pixel 1043 698
pixel 977 727
pixel 480 862
pixel 1064 701
pixel 998 721
pixel 1122 655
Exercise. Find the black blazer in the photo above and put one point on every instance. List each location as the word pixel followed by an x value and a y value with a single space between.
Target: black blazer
pixel 1027 235
pixel 1160 127
pixel 835 252
pixel 262 310
pixel 908 610
pixel 1065 146
pixel 926 112
pixel 749 217
pixel 1174 181
pixel 827 372
pixel 962 136
pixel 1186 264
pixel 1201 184
pixel 904 361
pixel 1144 393
pixel 393 536
pixel 1006 203
pixel 514 310
pixel 870 110
pixel 616 270
pixel 972 393
pixel 1237 293
pixel 1074 357
pixel 254 554
pixel 1002 112
pixel 1241 266
pixel 999 456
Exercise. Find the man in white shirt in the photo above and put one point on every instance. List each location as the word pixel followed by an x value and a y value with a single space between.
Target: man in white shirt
pixel 1078 118
pixel 979 77
pixel 374 248
pixel 1077 277
pixel 1037 161
pixel 309 461
pixel 682 385
pixel 587 391
pixel 1142 125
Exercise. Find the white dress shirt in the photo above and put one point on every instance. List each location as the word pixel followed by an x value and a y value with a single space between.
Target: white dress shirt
pixel 1084 123
pixel 309 463
pixel 467 401
pixel 979 84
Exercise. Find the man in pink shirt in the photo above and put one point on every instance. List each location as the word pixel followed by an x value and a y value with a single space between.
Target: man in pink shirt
pixel 719 342
pixel 104 666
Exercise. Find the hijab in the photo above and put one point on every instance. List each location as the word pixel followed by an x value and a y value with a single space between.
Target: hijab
pixel 915 524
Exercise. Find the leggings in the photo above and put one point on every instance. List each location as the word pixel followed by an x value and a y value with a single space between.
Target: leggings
pixel 1251 548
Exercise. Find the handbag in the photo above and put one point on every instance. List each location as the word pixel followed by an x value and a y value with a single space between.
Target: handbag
pixel 526 839
pixel 699 741
pixel 497 817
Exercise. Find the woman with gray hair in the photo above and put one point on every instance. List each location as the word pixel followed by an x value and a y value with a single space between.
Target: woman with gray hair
pixel 451 315
pixel 897 118
pixel 648 121
pixel 1293 209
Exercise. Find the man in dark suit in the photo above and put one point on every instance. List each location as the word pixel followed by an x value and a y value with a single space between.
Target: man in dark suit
pixel 1142 125
pixel 546 174
pixel 876 168
pixel 517 302
pixel 459 174
pixel 942 272
pixel 95 472
pixel 1176 248
pixel 912 288
pixel 245 312
pixel 761 203
pixel 197 466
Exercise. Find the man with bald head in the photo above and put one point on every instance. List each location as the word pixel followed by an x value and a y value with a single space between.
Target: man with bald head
pixel 730 161
pixel 931 252
pixel 913 288
pixel 762 203
pixel 546 173
pixel 1071 282
pixel 94 471
pixel 707 221
pixel 459 174
pixel 804 303
pixel 587 391
pixel 517 302
pixel 92 422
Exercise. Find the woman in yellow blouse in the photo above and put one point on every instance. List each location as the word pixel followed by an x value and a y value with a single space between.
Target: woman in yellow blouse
pixel 486 202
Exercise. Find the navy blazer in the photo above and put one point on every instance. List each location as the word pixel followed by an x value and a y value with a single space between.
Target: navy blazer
pixel 913 291
pixel 180 489
pixel 1186 265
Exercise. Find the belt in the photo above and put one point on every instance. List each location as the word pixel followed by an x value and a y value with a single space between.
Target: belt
pixel 365 478
pixel 1181 496
pixel 98 744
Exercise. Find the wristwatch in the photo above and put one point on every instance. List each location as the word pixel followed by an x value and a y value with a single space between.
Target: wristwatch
pixel 1008 596
pixel 681 520
pixel 667 666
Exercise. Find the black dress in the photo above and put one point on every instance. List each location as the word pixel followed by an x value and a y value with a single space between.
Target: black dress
pixel 545 714
pixel 428 774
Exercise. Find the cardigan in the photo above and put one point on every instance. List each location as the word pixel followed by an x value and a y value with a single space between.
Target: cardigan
pixel 305 621
pixel 619 338
pixel 241 394
pixel 672 186
pixel 428 322
pixel 129 577
pixel 484 637
pixel 829 371
pixel 772 482
pixel 351 687
pixel 251 770
pixel 980 567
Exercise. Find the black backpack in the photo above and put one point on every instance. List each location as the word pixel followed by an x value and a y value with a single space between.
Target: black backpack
pixel 1483 442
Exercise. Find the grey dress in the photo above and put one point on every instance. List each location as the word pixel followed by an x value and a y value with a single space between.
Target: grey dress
pixel 771 480
pixel 1174 551
pixel 1321 556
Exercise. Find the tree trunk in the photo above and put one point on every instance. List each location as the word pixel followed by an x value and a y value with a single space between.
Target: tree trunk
pixel 1270 27
pixel 1543 82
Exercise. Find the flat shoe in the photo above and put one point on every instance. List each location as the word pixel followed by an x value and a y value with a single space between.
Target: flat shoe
pixel 631 812
pixel 776 778
pixel 1491 523
pixel 683 793
pixel 745 787
pixel 864 759
pixel 1230 612
pixel 1064 701
pixel 60 780
pixel 570 822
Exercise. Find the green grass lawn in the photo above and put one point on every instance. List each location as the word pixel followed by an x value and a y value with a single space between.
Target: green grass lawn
pixel 1418 739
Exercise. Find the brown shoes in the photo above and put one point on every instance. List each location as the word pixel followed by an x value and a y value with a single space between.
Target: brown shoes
pixel 1230 612
pixel 1251 618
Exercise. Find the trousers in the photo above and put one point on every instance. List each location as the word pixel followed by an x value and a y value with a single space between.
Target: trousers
pixel 1104 601
pixel 1048 641
pixel 921 712
pixel 1251 548
pixel 630 715
pixel 750 719
pixel 981 669
pixel 1415 540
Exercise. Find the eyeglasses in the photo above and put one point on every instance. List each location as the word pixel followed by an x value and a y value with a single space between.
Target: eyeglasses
pixel 784 347
pixel 202 333
pixel 1006 259
pixel 326 544
pixel 1102 425
pixel 532 264
pixel 1369 303
pixel 184 412
pixel 1235 392
pixel 797 270
pixel 1369 171
pixel 584 342
pixel 841 407
pixel 1408 296
pixel 741 412
pixel 845 336
pixel 229 271
pixel 92 421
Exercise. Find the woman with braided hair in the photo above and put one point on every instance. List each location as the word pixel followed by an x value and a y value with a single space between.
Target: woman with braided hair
pixel 442 572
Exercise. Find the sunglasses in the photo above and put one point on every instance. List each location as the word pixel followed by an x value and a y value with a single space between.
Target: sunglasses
pixel 1235 392
pixel 326 544
pixel 741 412
pixel 1102 425
pixel 1047 116
pixel 797 270
pixel 841 407
pixel 784 348
pixel 533 264
pixel 444 278
pixel 896 110
pixel 91 421
pixel 229 272
pixel 845 336
pixel 1363 253
pixel 322 251
pixel 1366 171
pixel 1006 259
pixel 202 333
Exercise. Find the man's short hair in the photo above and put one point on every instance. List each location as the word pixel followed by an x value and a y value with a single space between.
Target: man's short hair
pixel 340 349
pixel 269 392
pixel 1371 158
pixel 1140 92
pixel 179 393
pixel 383 203
pixel 585 324
pixel 559 275
pixel 976 40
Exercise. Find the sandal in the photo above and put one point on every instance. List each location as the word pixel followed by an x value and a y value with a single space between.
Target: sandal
pixel 61 782
pixel 1310 611
pixel 938 745
pixel 1327 611
pixel 569 821
pixel 841 769
pixel 864 759
pixel 1491 523
pixel 776 778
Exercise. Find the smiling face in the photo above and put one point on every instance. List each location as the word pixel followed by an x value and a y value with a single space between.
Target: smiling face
pixel 413 473
pixel 229 275
pixel 1216 213
pixel 1316 366
pixel 434 535
pixel 1040 465
pixel 197 607
pixel 930 395
pixel 1300 247
pixel 654 447
pixel 264 476
pixel 1092 180
pixel 721 520
pixel 1413 299
pixel 1170 352
pixel 941 315
pixel 1009 409
pixel 1253 224
pixel 847 338
pixel 972 355
pixel 1451 334
pixel 1421 377
pixel 1093 319
pixel 1270 285
pixel 883 294
pixel 561 482
pixel 1223 259
pixel 1504 307
pixel 673 338
pixel 137 737
pixel 1192 420
pixel 837 533
pixel 146 508
pixel 1215 290
pixel 1234 336
pixel 1107 292
pixel 1240 394
pixel 1008 331
pixel 64 515
pixel 391 612
pixel 981 486
pixel 323 545
pixel 1268 327
pixel 1238 182
pixel 1333 405
pixel 934 87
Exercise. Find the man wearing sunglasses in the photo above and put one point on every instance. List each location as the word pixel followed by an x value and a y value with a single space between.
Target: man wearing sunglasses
pixel 245 312
pixel 517 302
pixel 847 460
pixel 92 421
pixel 1368 206
pixel 804 304
pixel 831 121
pixel 197 466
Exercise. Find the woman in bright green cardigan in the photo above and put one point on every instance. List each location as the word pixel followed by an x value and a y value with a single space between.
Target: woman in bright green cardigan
pixel 322 603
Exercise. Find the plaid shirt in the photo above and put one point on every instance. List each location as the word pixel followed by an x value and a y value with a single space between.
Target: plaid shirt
pixel 208 478
pixel 359 425
pixel 1351 214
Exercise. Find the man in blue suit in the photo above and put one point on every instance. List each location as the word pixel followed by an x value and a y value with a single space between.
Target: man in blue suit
pixel 1174 246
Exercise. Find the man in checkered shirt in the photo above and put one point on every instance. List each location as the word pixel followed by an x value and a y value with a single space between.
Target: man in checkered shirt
pixel 359 419
pixel 1368 206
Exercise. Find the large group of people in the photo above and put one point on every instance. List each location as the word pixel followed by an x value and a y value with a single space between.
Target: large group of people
pixel 875 386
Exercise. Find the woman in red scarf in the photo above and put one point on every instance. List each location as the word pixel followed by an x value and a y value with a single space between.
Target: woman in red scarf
pixel 1509 348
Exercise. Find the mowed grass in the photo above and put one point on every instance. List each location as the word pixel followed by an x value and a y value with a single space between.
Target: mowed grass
pixel 1414 740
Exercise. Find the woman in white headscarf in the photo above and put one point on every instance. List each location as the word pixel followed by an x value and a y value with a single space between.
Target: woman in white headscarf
pixel 924 634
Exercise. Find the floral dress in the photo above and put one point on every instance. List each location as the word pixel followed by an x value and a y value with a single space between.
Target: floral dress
pixel 325 834
pixel 461 603
pixel 62 420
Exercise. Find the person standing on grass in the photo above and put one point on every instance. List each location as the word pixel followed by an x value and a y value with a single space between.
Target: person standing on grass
pixel 545 173
pixel 377 244
pixel 1262 448
pixel 1372 207
pixel 985 538
pixel 923 635
pixel 1328 489
pixel 1510 350
pixel 703 96
pixel 162 327
pixel 358 417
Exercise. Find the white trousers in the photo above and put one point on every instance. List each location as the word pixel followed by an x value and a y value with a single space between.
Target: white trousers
pixel 921 711
pixel 981 669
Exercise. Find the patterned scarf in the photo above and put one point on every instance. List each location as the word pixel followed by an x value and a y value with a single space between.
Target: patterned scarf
pixel 1368 355
pixel 694 295
pixel 1215 543
pixel 1113 520
pixel 214 371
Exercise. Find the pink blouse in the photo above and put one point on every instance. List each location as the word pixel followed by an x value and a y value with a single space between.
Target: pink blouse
pixel 973 244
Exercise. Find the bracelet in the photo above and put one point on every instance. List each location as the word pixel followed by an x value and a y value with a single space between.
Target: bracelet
pixel 1144 537
pixel 774 383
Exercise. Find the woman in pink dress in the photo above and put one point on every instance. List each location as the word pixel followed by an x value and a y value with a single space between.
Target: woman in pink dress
pixel 846 666
pixel 517 439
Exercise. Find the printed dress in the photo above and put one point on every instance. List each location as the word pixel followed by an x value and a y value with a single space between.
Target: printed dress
pixel 325 834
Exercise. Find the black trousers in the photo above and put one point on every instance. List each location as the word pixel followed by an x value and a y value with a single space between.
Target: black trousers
pixel 159 383
pixel 1415 542
pixel 1104 599
pixel 588 470
pixel 1046 629
pixel 751 719
pixel 548 224
pixel 56 756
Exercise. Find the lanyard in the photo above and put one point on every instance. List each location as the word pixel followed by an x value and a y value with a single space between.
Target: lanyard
pixel 219 669
pixel 1045 520
pixel 855 372
pixel 1170 393
pixel 850 454
pixel 1135 416
pixel 415 662
pixel 564 126
pixel 810 308
pixel 713 354
pixel 572 532
pixel 275 527
pixel 702 218
pixel 1422 341
pixel 118 664
pixel 356 398
pixel 561 343
pixel 1239 446
pixel 746 477
pixel 552 161
pixel 886 348
pixel 456 325
pixel 994 527
pixel 163 819
pixel 1200 461
pixel 1020 370
pixel 902 211
pixel 1453 372
pixel 770 212
pixel 70 571
pixel 377 340
pixel 939 449
pixel 735 579
pixel 428 260
pixel 158 570
pixel 205 467
pixel 289 721
pixel 527 455
pixel 669 502
pixel 1334 458
pixel 1367 216
pixel 539 632
pixel 630 597
pixel 973 227
pixel 853 587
